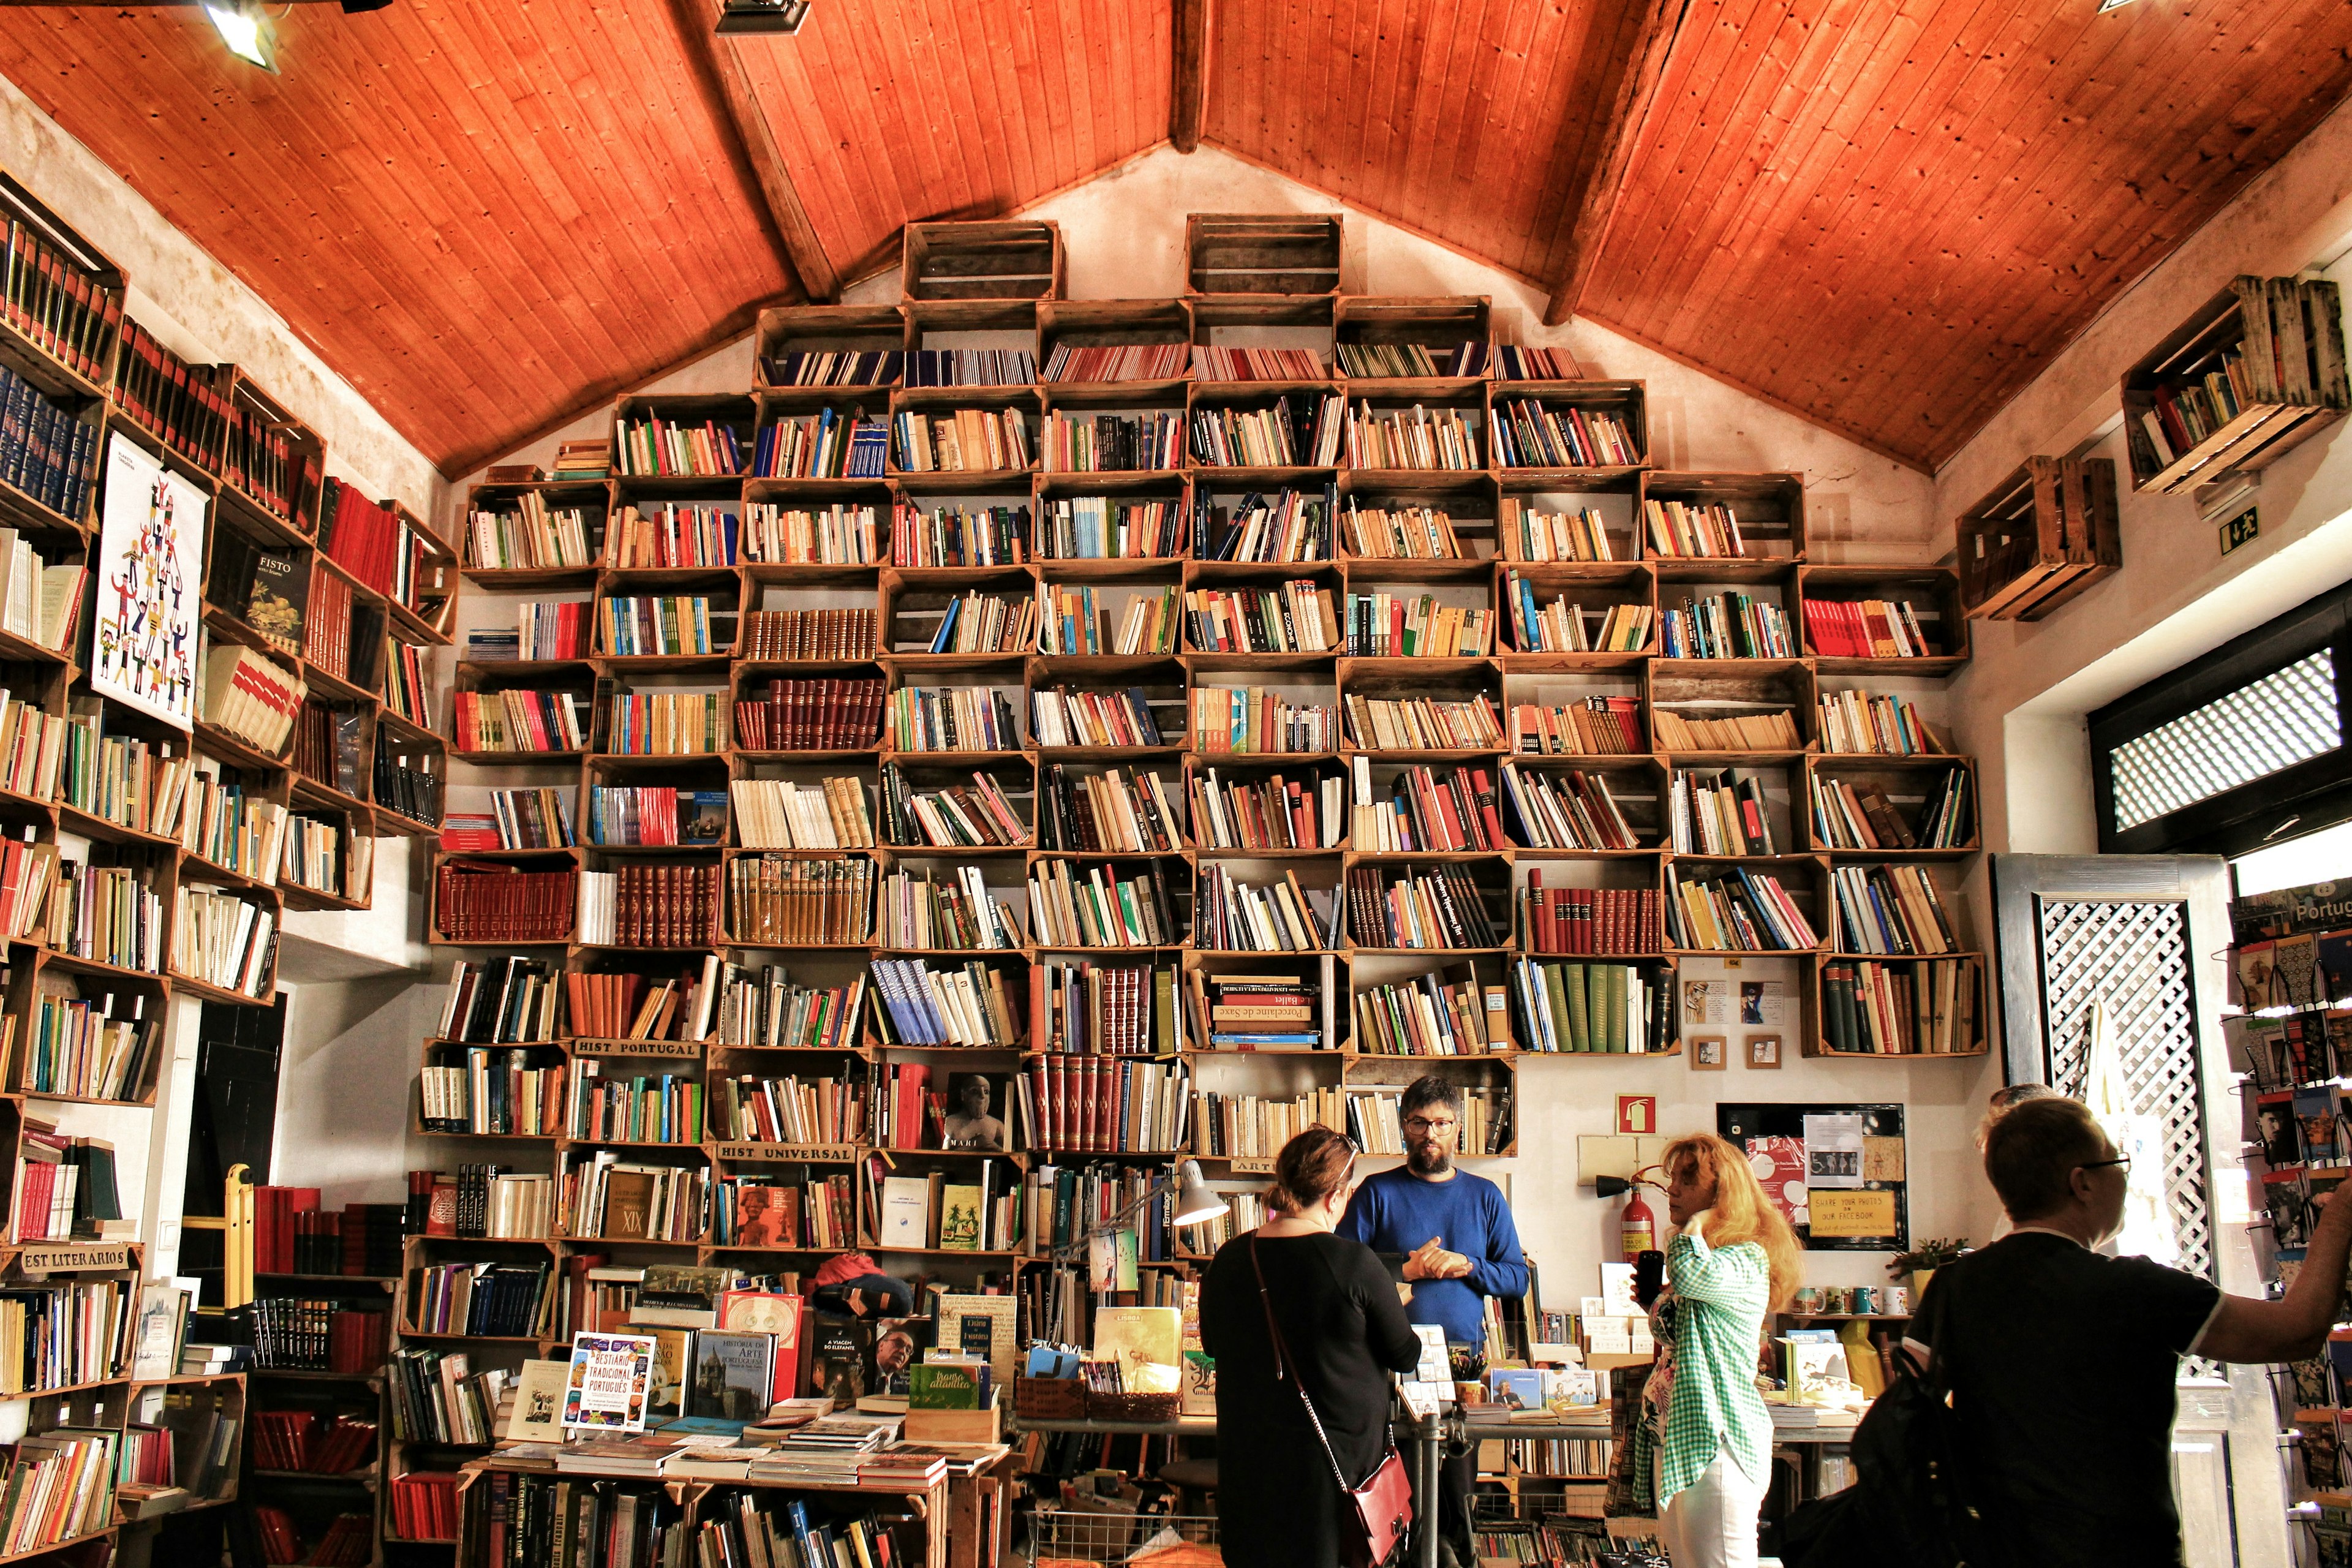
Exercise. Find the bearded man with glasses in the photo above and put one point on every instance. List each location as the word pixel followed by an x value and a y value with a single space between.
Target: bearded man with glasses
pixel 1449 1235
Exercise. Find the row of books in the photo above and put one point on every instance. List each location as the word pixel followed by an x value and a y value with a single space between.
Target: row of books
pixel 1923 1008
pixel 500 1092
pixel 1565 625
pixel 673 448
pixel 544 631
pixel 1061 717
pixel 535 536
pixel 1291 432
pixel 1230 915
pixel 497 1300
pixel 1718 812
pixel 1571 810
pixel 1609 1008
pixel 310 1333
pixel 1071 621
pixel 176 401
pixel 778 814
pixel 1590 920
pixel 951 816
pixel 1415 437
pixel 828 714
pixel 652 814
pixel 1736 910
pixel 651 906
pixel 779 901
pixel 1448 1013
pixel 765 1007
pixel 77 1047
pixel 1092 1104
pixel 1890 909
pixel 1591 726
pixel 921 914
pixel 1072 906
pixel 809 1112
pixel 485 902
pixel 1530 435
pixel 1850 815
pixel 607 1106
pixel 1097 528
pixel 1108 443
pixel 1271 813
pixel 961 440
pixel 45 451
pixel 1441 907
pixel 224 941
pixel 792 636
pixel 830 444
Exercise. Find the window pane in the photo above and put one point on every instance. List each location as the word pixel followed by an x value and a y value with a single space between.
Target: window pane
pixel 2322 856
pixel 2283 719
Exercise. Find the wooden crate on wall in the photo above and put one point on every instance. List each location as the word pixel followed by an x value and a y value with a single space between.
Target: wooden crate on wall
pixel 2252 374
pixel 2045 533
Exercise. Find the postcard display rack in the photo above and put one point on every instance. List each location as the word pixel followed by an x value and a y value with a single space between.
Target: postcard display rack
pixel 989 324
pixel 101 879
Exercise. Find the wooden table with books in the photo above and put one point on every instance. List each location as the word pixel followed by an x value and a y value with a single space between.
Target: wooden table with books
pixel 537 1503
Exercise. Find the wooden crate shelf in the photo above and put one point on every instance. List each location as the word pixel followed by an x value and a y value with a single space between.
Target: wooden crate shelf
pixel 2039 538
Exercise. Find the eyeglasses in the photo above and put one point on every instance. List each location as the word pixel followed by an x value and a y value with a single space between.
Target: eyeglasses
pixel 2121 1160
pixel 1423 1125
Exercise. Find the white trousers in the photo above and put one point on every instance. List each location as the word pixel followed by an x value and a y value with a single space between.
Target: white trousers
pixel 1711 1524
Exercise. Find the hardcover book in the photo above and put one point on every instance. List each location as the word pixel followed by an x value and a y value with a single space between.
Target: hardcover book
pixel 609 1384
pixel 734 1375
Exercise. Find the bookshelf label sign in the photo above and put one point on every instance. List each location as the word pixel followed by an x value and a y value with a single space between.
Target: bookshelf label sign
pixel 2239 530
pixel 68 1259
pixel 784 1154
pixel 637 1048
pixel 1252 1165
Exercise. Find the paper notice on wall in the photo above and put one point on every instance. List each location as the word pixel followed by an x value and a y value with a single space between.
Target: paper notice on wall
pixel 1882 1160
pixel 1865 1212
pixel 1833 1150
pixel 1760 1001
pixel 1706 1001
pixel 1779 1161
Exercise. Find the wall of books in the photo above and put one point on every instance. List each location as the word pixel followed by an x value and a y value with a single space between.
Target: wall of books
pixel 906 802
pixel 214 693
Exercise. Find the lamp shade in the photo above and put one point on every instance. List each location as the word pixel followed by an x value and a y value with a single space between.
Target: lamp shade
pixel 1195 1201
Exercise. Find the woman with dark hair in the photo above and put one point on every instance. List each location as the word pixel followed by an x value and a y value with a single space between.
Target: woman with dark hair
pixel 1279 1503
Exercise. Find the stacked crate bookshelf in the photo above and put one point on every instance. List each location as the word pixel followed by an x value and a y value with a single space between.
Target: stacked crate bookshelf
pixel 97 377
pixel 906 597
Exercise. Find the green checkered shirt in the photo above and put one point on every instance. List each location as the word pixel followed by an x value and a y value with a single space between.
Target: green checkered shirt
pixel 1718 1319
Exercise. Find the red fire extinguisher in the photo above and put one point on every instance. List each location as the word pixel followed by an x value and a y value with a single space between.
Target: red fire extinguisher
pixel 1638 1226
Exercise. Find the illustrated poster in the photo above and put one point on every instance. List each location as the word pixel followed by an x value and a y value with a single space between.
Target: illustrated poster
pixel 143 646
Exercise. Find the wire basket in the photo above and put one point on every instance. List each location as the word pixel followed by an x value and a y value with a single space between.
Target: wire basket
pixel 1074 1538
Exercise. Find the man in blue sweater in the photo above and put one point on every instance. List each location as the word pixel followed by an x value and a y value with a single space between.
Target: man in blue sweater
pixel 1455 1235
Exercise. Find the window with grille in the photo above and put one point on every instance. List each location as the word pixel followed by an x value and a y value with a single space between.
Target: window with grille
pixel 2242 745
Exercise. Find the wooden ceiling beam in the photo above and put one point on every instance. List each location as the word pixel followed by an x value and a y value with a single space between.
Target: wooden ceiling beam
pixel 1188 97
pixel 1637 91
pixel 727 86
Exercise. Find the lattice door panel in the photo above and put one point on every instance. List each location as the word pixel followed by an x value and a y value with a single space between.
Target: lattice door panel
pixel 2136 958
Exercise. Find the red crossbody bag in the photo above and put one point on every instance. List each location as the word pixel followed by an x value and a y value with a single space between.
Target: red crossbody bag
pixel 1381 1510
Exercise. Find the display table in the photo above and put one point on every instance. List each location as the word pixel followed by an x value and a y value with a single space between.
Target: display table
pixel 480 1544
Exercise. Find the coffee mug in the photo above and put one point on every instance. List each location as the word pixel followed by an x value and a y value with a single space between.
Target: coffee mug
pixel 1898 1300
pixel 1809 1300
pixel 1865 1301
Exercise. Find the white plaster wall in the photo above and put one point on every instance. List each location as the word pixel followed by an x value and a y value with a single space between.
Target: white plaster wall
pixel 203 310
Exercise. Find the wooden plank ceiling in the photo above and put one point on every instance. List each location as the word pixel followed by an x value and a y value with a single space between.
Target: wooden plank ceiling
pixel 1884 214
pixel 1888 216
pixel 482 217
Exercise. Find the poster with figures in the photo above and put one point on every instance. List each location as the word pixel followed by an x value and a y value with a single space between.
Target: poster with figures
pixel 143 646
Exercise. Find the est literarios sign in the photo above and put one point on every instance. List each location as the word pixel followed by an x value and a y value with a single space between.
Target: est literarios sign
pixel 66 1259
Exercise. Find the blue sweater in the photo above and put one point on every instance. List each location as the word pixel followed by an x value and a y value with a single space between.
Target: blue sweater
pixel 1396 1211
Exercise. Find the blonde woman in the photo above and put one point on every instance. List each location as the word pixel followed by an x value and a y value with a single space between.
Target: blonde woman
pixel 1702 1446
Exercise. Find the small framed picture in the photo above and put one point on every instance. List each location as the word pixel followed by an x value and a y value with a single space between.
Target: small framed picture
pixel 1706 1053
pixel 1763 1050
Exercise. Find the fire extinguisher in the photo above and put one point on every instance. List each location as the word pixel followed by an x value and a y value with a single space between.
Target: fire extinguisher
pixel 1638 1226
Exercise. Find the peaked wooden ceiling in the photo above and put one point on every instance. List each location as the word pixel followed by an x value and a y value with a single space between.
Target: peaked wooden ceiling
pixel 1882 216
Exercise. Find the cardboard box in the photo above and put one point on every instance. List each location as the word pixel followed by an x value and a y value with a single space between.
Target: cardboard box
pixel 957 1426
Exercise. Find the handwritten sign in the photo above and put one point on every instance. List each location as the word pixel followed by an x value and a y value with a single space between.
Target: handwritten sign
pixel 1851 1212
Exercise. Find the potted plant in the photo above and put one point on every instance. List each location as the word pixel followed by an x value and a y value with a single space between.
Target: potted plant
pixel 1922 1261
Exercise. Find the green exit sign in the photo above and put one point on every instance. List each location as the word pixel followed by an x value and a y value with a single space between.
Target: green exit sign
pixel 2239 530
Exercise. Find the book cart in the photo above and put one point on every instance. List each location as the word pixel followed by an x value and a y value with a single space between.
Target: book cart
pixel 851 452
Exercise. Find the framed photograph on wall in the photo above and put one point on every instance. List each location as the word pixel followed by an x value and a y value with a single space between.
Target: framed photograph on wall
pixel 1706 1053
pixel 150 586
pixel 1763 1050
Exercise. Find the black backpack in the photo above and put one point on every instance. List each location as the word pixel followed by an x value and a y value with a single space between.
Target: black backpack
pixel 1909 1503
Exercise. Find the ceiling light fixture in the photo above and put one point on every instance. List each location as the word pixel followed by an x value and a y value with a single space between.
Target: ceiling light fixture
pixel 2107 6
pixel 773 16
pixel 247 29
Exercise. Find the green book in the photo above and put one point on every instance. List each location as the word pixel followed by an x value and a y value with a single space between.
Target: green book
pixel 1614 983
pixel 1568 1008
pixel 931 1386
